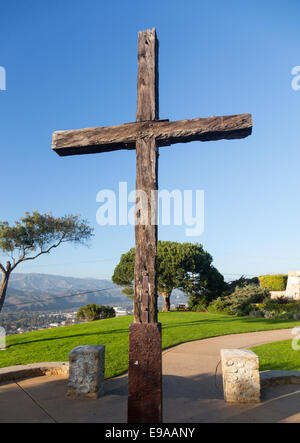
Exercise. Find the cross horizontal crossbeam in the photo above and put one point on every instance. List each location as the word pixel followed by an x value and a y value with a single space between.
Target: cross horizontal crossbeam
pixel 113 138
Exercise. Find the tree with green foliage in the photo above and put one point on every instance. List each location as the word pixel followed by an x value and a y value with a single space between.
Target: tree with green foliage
pixel 34 235
pixel 243 281
pixel 206 289
pixel 184 266
pixel 92 312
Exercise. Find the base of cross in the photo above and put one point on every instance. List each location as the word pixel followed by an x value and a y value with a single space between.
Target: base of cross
pixel 145 373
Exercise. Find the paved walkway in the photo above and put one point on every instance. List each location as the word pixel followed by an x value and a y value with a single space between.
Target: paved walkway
pixel 192 391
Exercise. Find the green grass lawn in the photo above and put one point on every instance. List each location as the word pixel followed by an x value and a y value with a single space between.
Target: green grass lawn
pixel 279 355
pixel 178 327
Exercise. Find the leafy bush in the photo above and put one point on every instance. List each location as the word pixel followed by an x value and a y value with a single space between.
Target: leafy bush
pixel 256 313
pixel 283 300
pixel 273 282
pixel 243 281
pixel 272 305
pixel 276 310
pixel 242 298
pixel 254 301
pixel 284 316
pixel 92 312
pixel 200 307
pixel 219 306
pixel 240 301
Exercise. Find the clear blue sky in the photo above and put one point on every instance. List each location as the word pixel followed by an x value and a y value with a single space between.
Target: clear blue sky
pixel 72 64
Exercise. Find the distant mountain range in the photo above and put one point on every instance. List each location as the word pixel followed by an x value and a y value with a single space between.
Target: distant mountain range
pixel 44 292
pixel 54 292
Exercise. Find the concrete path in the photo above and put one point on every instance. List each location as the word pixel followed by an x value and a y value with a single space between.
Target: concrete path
pixel 192 391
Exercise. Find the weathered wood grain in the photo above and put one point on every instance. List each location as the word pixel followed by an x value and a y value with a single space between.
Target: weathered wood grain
pixel 145 282
pixel 105 139
pixel 147 80
pixel 146 232
pixel 145 373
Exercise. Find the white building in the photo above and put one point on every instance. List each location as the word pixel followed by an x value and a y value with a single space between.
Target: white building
pixel 120 312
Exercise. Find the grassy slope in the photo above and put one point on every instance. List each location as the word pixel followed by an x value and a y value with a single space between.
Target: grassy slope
pixel 279 355
pixel 178 327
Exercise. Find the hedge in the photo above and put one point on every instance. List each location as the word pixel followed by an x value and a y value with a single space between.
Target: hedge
pixel 273 282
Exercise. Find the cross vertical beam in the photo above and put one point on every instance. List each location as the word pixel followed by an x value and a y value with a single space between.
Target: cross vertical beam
pixel 145 360
pixel 145 234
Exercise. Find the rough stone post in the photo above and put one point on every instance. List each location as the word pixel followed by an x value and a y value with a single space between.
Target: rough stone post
pixel 241 381
pixel 86 372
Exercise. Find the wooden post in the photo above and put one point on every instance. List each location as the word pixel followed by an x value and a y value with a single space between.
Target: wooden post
pixel 145 361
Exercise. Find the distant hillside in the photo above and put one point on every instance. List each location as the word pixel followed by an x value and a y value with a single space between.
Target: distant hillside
pixel 38 288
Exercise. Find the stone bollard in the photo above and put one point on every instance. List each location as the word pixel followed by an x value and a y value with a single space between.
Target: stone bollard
pixel 86 372
pixel 241 381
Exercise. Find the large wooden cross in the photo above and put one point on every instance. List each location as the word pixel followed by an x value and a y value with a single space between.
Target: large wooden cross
pixel 146 135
